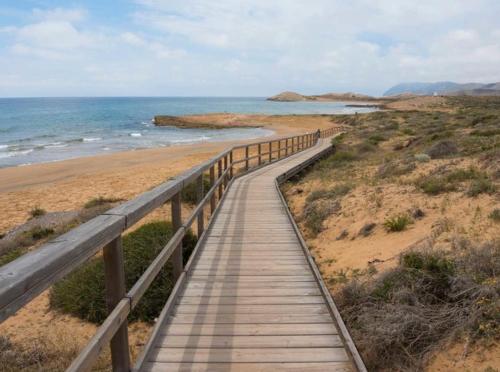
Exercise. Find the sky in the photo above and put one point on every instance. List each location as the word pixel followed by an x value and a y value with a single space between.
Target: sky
pixel 242 47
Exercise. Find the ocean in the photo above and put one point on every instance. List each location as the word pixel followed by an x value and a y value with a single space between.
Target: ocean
pixel 36 130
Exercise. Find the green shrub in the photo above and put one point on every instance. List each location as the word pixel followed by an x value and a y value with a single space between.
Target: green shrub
pixel 495 215
pixel 337 140
pixel 408 131
pixel 461 175
pixel 318 211
pixel 189 194
pixel 38 233
pixel 365 146
pixel 397 223
pixel 434 185
pixel 430 262
pixel 337 191
pixel 82 292
pixel 394 168
pixel 37 212
pixel 375 139
pixel 422 158
pixel 12 255
pixel 100 201
pixel 481 186
pixel 344 157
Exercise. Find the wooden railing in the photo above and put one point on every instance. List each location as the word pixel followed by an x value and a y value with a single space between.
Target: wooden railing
pixel 28 276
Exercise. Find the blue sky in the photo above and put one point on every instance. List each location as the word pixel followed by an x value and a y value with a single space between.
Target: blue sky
pixel 242 47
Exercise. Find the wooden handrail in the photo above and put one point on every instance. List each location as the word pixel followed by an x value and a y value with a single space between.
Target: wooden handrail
pixel 26 277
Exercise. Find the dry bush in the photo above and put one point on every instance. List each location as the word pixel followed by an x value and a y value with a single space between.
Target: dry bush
pixel 50 353
pixel 399 318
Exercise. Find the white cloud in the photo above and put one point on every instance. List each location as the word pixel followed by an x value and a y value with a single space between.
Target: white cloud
pixel 256 47
pixel 60 14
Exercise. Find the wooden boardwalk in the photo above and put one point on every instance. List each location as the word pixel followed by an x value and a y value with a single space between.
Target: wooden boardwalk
pixel 253 300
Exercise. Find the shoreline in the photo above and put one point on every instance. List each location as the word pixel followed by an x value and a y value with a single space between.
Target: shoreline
pixel 67 185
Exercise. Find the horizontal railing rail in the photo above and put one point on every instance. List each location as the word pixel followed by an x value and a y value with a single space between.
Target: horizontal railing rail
pixel 28 276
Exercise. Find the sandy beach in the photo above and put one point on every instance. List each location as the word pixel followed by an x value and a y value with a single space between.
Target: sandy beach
pixel 67 185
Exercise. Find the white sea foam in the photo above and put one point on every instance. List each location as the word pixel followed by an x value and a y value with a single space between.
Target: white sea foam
pixel 91 139
pixel 4 146
pixel 135 135
pixel 12 154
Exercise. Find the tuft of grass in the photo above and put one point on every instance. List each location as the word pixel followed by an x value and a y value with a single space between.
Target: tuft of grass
pixel 82 292
pixel 336 192
pixel 375 139
pixel 337 140
pixel 495 215
pixel 481 186
pixel 397 223
pixel 315 213
pixel 395 168
pixel 422 158
pixel 12 255
pixel 100 201
pixel 37 212
pixel 343 157
pixel 39 233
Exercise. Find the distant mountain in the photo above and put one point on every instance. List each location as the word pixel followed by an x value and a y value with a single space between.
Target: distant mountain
pixel 444 88
pixel 294 97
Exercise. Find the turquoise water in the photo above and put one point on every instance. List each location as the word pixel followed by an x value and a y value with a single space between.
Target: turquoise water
pixel 34 130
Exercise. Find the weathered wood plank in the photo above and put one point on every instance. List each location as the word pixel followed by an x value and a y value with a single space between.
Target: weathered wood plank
pixel 251 318
pixel 248 367
pixel 249 329
pixel 251 292
pixel 224 342
pixel 249 355
pixel 252 309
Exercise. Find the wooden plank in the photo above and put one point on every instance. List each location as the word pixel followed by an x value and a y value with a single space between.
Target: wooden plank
pixel 244 265
pixel 279 285
pixel 248 367
pixel 252 309
pixel 251 292
pixel 173 330
pixel 243 272
pixel 249 355
pixel 253 278
pixel 286 300
pixel 215 342
pixel 252 318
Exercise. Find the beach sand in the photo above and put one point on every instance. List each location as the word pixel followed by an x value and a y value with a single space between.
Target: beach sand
pixel 69 184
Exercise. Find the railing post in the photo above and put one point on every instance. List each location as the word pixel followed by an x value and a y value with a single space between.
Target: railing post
pixel 246 157
pixel 114 277
pixel 279 149
pixel 259 149
pixel 231 164
pixel 293 145
pixel 225 168
pixel 219 174
pixel 286 149
pixel 212 183
pixel 270 151
pixel 177 263
pixel 199 197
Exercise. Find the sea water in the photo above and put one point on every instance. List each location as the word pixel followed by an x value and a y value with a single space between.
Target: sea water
pixel 35 130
